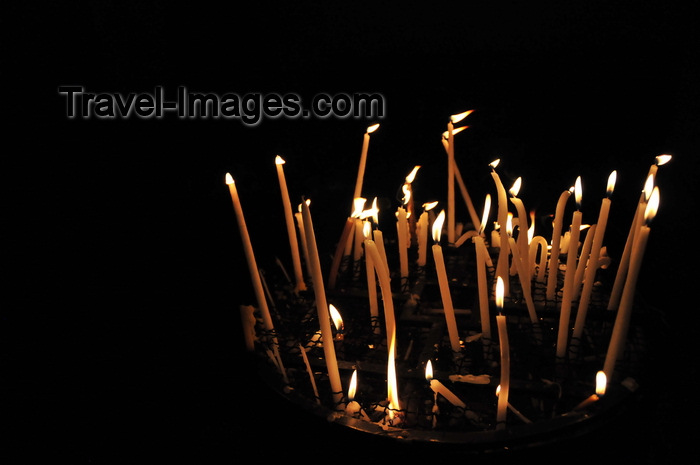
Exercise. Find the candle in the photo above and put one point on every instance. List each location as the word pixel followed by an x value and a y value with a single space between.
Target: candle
pixel 525 283
pixel 310 373
pixel 593 261
pixel 553 275
pixel 322 308
pixel 522 241
pixel 402 235
pixel 422 229
pixel 502 267
pixel 502 406
pixel 255 274
pixel 248 322
pixel 460 181
pixel 302 237
pixel 570 275
pixel 619 335
pixel 583 259
pixel 346 242
pixel 600 385
pixel 353 407
pixel 439 388
pixel 481 252
pixel 637 221
pixel 371 282
pixel 291 231
pixel 410 209
pixel 384 278
pixel 451 174
pixel 363 160
pixel 444 284
pixel 539 243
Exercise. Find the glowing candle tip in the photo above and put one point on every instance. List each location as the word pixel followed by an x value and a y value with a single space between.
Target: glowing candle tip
pixel 229 179
pixel 372 128
pixel 279 160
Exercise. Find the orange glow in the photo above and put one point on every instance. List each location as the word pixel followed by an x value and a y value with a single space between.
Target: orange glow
pixel 279 160
pixel 498 390
pixel 406 194
pixel 446 134
pixel 373 212
pixel 358 206
pixel 652 206
pixel 308 203
pixel 412 175
pixel 460 116
pixel 601 382
pixel 611 183
pixel 577 191
pixel 663 159
pixel 531 229
pixel 229 179
pixel 509 224
pixel 495 163
pixel 516 187
pixel 353 386
pixel 500 290
pixel 372 128
pixel 336 318
pixel 485 214
pixel 429 370
pixel 437 226
pixel 648 187
pixel 430 205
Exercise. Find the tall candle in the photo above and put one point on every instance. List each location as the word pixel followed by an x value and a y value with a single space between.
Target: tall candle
pixel 502 267
pixel 620 329
pixel 363 161
pixel 502 407
pixel 348 231
pixel 583 260
pixel 553 268
pixel 539 243
pixel 460 181
pixel 593 261
pixel 451 174
pixel 569 276
pixel 482 283
pixel 371 281
pixel 291 230
pixel 302 239
pixel 255 273
pixel 322 308
pixel 637 221
pixel 422 232
pixel 522 241
pixel 445 285
pixel 525 282
pixel 402 235
pixel 384 279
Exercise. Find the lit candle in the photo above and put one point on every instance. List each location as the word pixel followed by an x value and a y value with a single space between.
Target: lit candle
pixel 553 275
pixel 347 239
pixel 502 267
pixel 570 275
pixel 600 386
pixel 444 284
pixel 481 253
pixel 460 181
pixel 522 241
pixel 402 235
pixel 583 259
pixel 422 230
pixel 619 335
pixel 302 237
pixel 593 261
pixel 410 209
pixel 353 407
pixel 637 221
pixel 439 388
pixel 384 283
pixel 291 231
pixel 255 274
pixel 451 174
pixel 322 308
pixel 363 160
pixel 502 407
pixel 371 281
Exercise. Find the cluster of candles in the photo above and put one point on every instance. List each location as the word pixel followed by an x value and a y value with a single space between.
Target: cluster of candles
pixel 534 259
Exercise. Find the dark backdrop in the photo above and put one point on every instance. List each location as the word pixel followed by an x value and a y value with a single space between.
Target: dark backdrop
pixel 122 254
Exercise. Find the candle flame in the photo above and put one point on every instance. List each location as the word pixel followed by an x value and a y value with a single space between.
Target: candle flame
pixel 485 214
pixel 577 191
pixel 430 205
pixel 648 187
pixel 509 224
pixel 406 193
pixel 446 134
pixel 367 230
pixel 460 116
pixel 279 160
pixel 353 386
pixel 372 128
pixel 498 390
pixel 531 229
pixel 601 382
pixel 652 206
pixel 516 187
pixel 495 163
pixel 500 290
pixel 308 203
pixel 358 206
pixel 335 317
pixel 412 175
pixel 584 226
pixel 437 226
pixel 229 179
pixel 663 159
pixel 611 182
pixel 429 370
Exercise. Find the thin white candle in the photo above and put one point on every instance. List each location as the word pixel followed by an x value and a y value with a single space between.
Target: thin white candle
pixel 255 274
pixel 302 238
pixel 569 276
pixel 445 285
pixel 522 241
pixel 402 236
pixel 553 268
pixel 363 161
pixel 322 308
pixel 439 388
pixel 503 266
pixel 300 285
pixel 620 329
pixel 593 261
pixel 371 281
pixel 583 259
pixel 502 407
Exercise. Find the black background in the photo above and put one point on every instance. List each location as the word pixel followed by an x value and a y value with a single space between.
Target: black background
pixel 123 261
